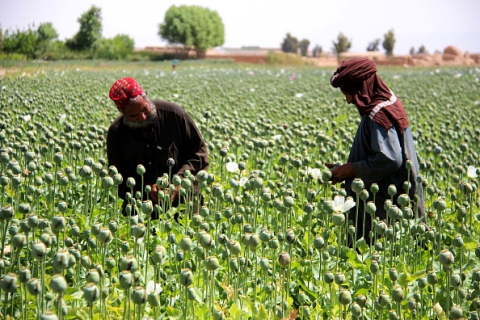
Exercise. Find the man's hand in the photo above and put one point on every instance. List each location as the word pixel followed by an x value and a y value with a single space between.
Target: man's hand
pixel 340 172
pixel 154 193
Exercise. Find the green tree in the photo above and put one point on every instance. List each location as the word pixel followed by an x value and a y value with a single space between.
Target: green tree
pixel 194 27
pixel 116 48
pixel 389 42
pixel 1 40
pixel 21 42
pixel 90 30
pixel 373 46
pixel 304 47
pixel 422 50
pixel 46 34
pixel 290 44
pixel 317 51
pixel 342 44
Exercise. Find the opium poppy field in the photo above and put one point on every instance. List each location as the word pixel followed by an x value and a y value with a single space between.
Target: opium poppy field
pixel 267 235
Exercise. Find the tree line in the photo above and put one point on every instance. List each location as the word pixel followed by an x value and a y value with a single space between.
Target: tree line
pixel 186 28
pixel 291 44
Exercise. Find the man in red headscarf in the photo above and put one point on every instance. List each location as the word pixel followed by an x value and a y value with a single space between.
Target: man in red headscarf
pixel 157 134
pixel 383 151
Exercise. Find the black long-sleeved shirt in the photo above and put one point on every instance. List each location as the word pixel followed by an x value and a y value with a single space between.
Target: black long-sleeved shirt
pixel 173 135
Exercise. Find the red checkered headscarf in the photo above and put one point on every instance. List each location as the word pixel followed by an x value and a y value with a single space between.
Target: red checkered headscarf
pixel 123 90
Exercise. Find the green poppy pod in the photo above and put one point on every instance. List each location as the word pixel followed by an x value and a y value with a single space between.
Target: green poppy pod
pixel 58 223
pixel 290 236
pixel 170 162
pixel 9 283
pixel 24 275
pixel 179 256
pixel 374 267
pixel 49 315
pixel 455 280
pixel 284 259
pixel 328 277
pixel 186 277
pixel 394 212
pixel 234 247
pixel 117 179
pixel 458 241
pixel 273 243
pixel 254 241
pixel 147 207
pixel 19 241
pixel 393 274
pixel 392 315
pixel 446 258
pixel 39 250
pixel 93 276
pixel 138 231
pixel 357 185
pixel 361 300
pixel 383 300
pixel 58 284
pixel 107 182
pixel 140 170
pixel 432 277
pixel 130 183
pixel 4 180
pixel 104 235
pixel 186 243
pixel 403 200
pixel 264 264
pixel 265 235
pixel 356 310
pixel 6 213
pixel 176 180
pixel 128 263
pixel 125 279
pixel 345 297
pixel 247 228
pixel 34 286
pixel 392 190
pixel 86 262
pixel 246 238
pixel 397 294
pixel 212 263
pixel 206 241
pixel 60 260
pixel 456 312
pixel 339 278
pixel 288 202
pixel 113 226
pixel 338 219
pixel 91 293
pixel 186 184
pixel 85 172
pixel 24 208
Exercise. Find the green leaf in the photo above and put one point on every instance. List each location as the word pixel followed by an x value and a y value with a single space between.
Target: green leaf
pixel 234 312
pixel 174 313
pixel 361 245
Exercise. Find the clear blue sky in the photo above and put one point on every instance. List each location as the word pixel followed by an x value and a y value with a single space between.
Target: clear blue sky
pixel 433 23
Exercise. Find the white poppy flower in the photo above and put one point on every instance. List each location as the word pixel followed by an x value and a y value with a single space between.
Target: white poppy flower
pixel 232 167
pixel 153 287
pixel 299 95
pixel 27 118
pixel 314 171
pixel 252 90
pixel 140 240
pixel 175 95
pixel 472 172
pixel 340 205
pixel 63 116
pixel 277 137
pixel 4 87
pixel 242 181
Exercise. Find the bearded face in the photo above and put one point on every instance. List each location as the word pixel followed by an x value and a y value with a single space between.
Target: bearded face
pixel 140 113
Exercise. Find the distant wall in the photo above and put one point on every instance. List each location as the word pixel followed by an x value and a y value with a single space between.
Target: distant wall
pixel 451 56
